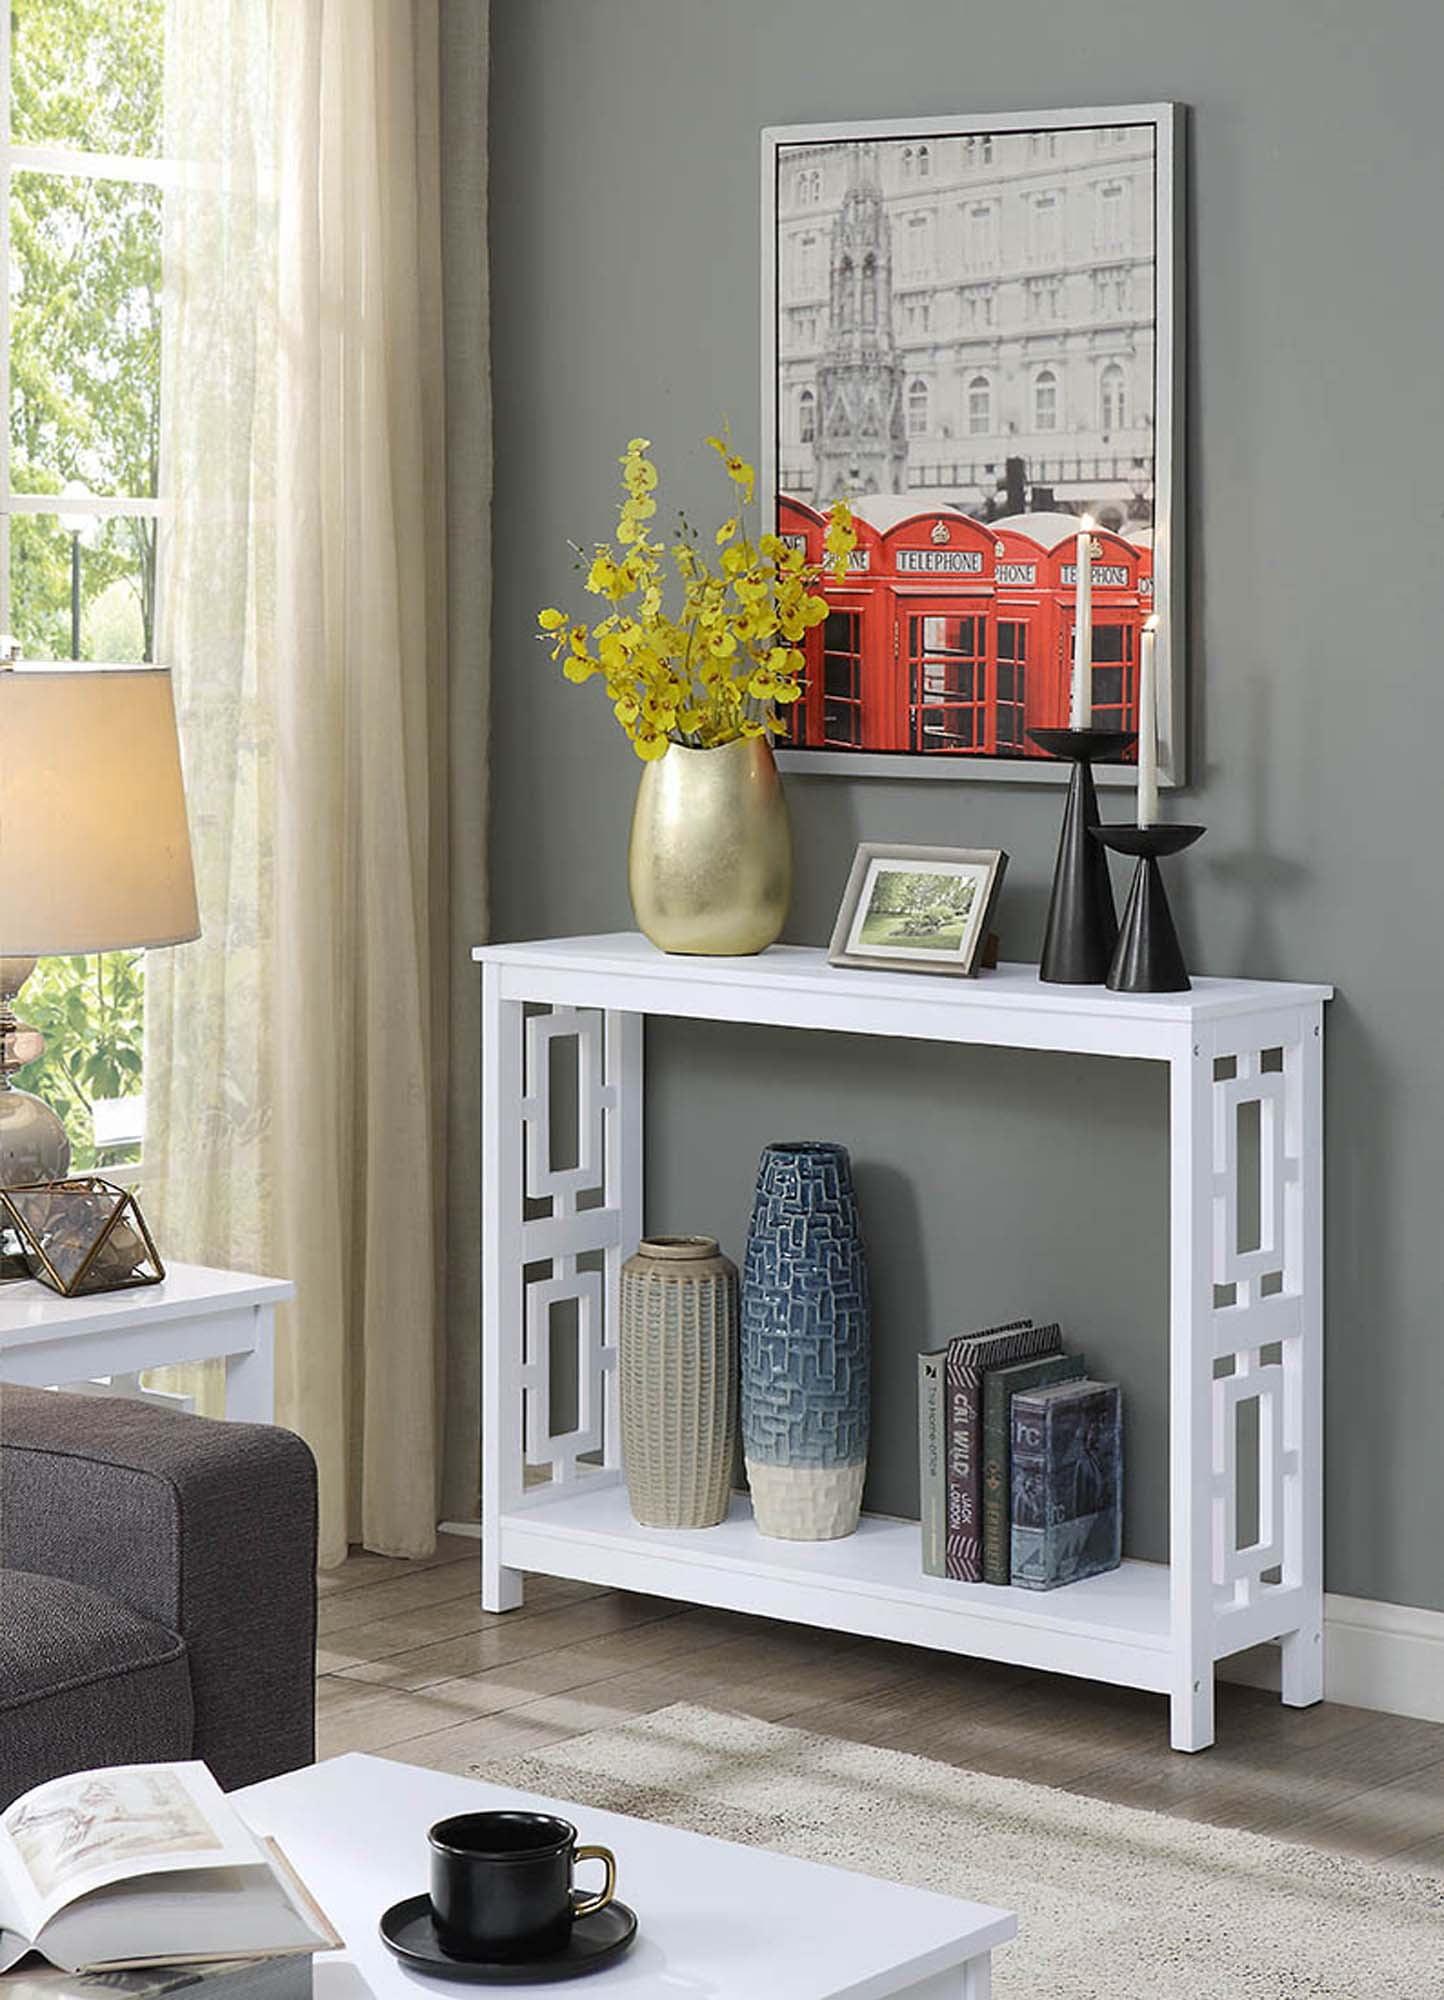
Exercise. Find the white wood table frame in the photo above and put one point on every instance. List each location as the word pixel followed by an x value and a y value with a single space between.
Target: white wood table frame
pixel 1245 1312
pixel 108 1339
pixel 714 1919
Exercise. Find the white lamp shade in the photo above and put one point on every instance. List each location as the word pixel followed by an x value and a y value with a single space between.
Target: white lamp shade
pixel 94 847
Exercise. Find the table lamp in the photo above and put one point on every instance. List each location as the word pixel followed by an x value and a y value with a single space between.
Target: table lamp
pixel 94 853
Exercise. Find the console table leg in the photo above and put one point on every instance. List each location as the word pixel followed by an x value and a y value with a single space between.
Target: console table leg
pixel 1191 1198
pixel 1302 1677
pixel 501 1284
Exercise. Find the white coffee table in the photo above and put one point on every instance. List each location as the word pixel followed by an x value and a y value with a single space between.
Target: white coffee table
pixel 717 1921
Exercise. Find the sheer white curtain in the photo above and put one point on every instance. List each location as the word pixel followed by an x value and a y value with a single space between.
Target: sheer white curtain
pixel 295 1056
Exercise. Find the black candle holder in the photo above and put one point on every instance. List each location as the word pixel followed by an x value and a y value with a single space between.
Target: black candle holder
pixel 1082 922
pixel 1148 957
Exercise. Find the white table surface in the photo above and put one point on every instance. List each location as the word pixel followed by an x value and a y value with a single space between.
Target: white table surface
pixel 30 1311
pixel 717 1921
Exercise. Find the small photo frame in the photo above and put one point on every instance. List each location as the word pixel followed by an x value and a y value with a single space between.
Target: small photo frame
pixel 918 909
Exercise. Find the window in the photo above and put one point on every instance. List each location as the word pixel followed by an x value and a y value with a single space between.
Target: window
pixel 79 485
pixel 917 408
pixel 808 187
pixel 918 246
pixel 947 682
pixel 1112 215
pixel 806 418
pixel 1046 227
pixel 1045 400
pixel 1112 399
pixel 980 406
pixel 985 150
pixel 1110 291
pixel 809 261
pixel 980 235
pixel 1011 690
pixel 842 679
pixel 1115 692
pixel 917 315
pixel 975 303
pixel 925 165
pixel 1043 145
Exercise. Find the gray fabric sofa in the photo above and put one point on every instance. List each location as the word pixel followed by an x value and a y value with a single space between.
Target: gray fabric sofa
pixel 157 1590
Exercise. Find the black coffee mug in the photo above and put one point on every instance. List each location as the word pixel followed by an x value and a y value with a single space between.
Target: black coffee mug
pixel 501 1883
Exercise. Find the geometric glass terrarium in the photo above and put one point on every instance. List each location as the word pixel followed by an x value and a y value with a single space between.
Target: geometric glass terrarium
pixel 82 1235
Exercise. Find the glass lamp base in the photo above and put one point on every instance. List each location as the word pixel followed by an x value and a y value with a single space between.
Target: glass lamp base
pixel 33 1145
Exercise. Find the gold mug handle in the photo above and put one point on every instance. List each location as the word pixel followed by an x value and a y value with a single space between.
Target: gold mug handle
pixel 591 1904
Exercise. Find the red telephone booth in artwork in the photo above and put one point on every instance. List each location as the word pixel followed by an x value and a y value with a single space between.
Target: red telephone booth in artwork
pixel 830 713
pixel 953 638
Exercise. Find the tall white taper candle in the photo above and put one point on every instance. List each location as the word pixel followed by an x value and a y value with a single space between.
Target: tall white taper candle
pixel 1080 708
pixel 1148 726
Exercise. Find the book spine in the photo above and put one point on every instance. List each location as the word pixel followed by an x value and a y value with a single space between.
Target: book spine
pixel 1028 1427
pixel 997 1460
pixel 932 1477
pixel 964 1540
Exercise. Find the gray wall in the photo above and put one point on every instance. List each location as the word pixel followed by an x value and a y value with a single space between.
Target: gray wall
pixel 625 289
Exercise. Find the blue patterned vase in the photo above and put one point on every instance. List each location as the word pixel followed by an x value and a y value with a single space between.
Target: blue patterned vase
pixel 806 1352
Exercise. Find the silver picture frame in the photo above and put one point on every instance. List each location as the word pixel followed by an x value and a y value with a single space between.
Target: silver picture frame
pixel 985 867
pixel 1168 565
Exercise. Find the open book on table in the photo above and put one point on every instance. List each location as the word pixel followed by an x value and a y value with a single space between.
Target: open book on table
pixel 145 1864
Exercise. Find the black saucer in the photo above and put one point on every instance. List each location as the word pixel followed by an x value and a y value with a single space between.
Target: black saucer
pixel 409 1930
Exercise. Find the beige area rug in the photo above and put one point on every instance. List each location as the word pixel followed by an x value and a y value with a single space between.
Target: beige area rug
pixel 1112 1901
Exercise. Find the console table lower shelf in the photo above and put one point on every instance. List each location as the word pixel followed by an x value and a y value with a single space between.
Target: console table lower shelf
pixel 1111 1628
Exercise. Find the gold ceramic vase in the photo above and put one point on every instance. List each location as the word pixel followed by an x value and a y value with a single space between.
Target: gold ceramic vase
pixel 710 866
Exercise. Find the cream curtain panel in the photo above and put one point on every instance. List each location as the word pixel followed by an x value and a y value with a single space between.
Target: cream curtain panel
pixel 294 1057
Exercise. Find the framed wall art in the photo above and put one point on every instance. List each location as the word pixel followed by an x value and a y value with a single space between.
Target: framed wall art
pixel 972 331
pixel 918 909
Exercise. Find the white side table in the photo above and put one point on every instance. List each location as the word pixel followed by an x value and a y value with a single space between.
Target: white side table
pixel 195 1315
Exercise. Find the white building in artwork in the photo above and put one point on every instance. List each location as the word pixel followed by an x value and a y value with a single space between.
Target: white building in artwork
pixel 1021 313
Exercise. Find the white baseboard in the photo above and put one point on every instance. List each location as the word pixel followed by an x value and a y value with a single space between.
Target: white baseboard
pixel 1383 1656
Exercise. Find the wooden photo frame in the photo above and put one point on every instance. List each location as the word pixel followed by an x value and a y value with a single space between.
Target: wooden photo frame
pixel 891 920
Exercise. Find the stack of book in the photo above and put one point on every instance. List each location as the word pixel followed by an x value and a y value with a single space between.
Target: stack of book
pixel 1021 1460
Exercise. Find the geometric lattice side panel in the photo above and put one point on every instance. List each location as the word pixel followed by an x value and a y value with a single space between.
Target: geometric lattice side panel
pixel 544 1181
pixel 593 1362
pixel 1239 1572
pixel 1251 1101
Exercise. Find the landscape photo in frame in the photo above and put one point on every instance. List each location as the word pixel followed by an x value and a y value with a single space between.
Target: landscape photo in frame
pixel 971 333
pixel 918 909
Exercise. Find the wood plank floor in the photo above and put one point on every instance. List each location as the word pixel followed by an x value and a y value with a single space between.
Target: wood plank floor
pixel 410 1667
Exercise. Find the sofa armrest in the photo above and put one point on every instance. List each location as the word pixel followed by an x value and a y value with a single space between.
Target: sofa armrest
pixel 207 1528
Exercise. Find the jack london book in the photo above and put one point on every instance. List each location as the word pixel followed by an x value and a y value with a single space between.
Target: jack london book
pixel 932 1473
pixel 1067 1483
pixel 1000 1385
pixel 969 1356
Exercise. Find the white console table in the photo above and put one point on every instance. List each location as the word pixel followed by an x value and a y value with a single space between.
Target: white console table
pixel 1245 1323
pixel 194 1314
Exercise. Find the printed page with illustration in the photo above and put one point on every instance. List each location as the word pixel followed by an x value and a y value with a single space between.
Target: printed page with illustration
pixel 143 1863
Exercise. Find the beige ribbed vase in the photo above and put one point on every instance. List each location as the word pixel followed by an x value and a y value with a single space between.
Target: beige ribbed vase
pixel 679 1381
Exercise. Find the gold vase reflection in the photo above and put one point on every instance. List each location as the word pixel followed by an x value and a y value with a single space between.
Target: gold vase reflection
pixel 710 865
